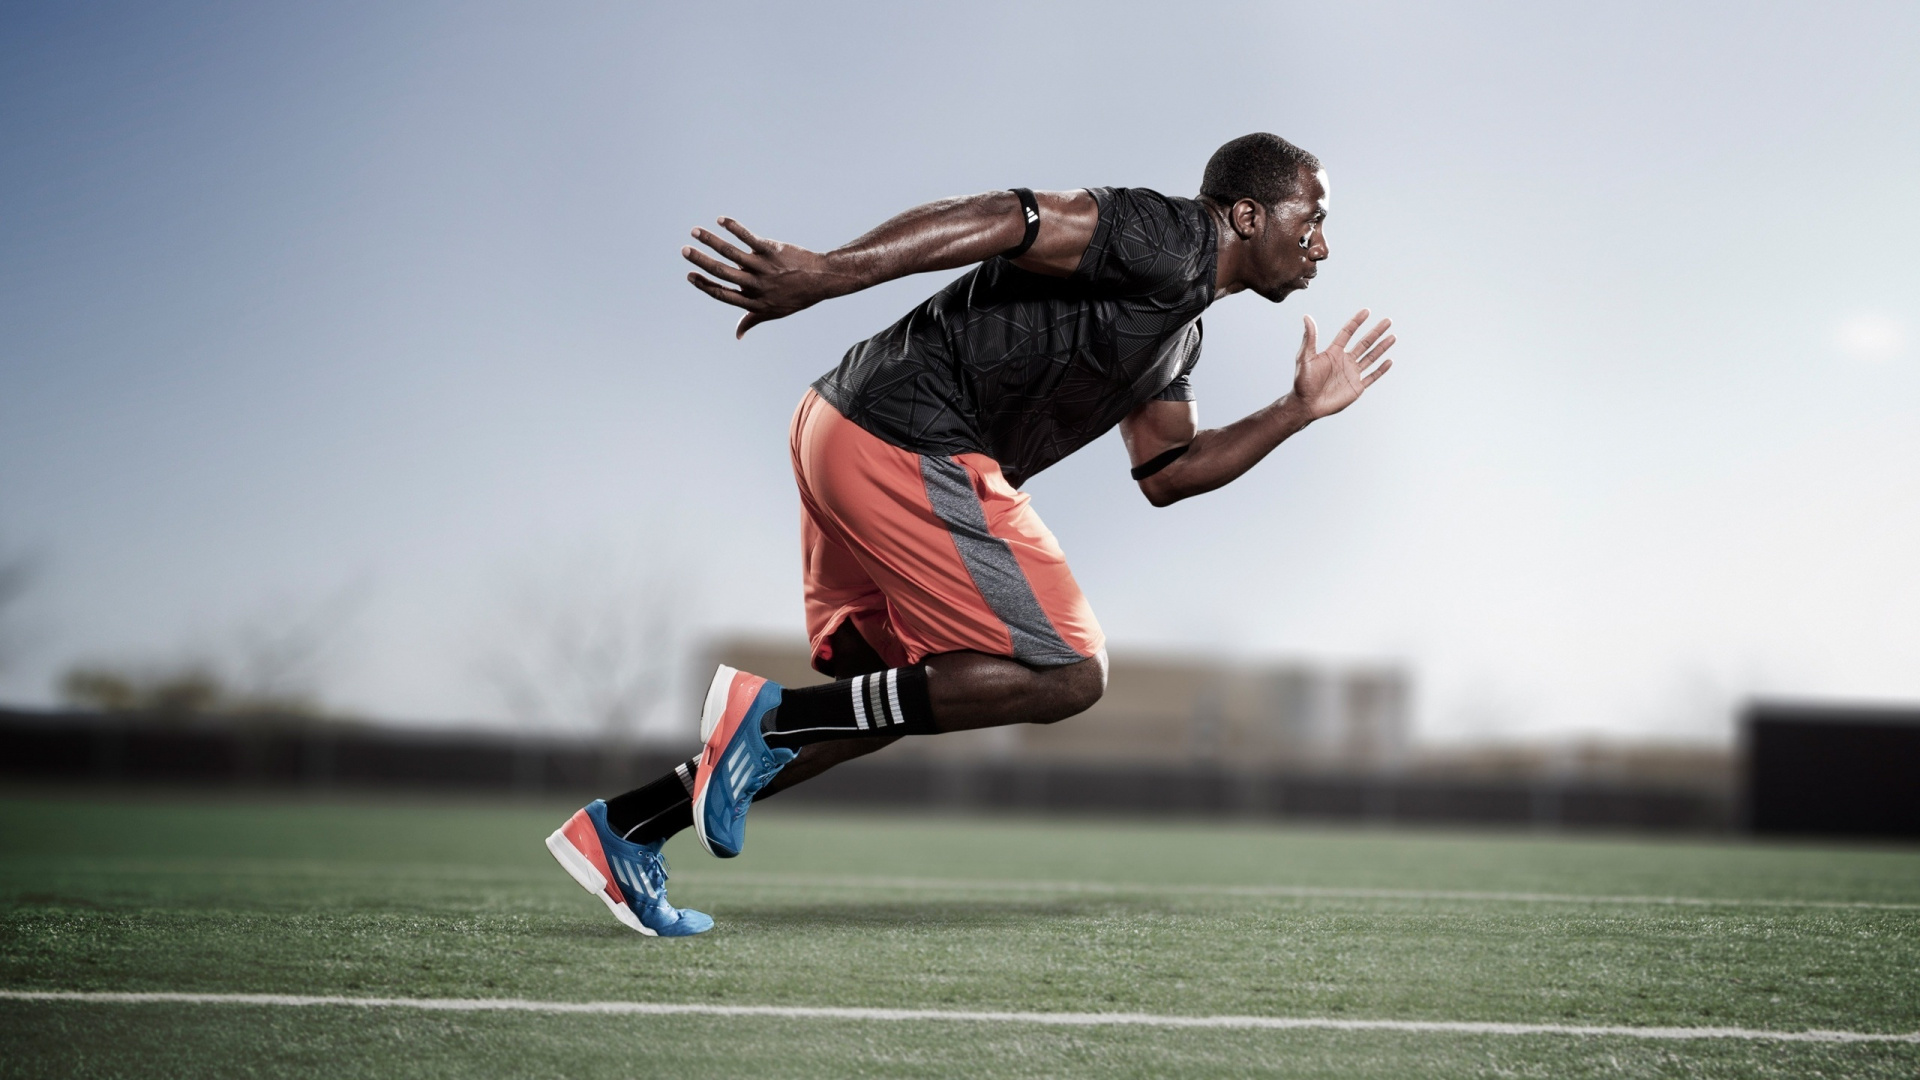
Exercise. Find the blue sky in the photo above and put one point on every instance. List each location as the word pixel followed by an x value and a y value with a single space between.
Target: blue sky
pixel 384 302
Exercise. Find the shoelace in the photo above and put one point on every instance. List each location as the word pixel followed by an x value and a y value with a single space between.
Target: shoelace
pixel 655 870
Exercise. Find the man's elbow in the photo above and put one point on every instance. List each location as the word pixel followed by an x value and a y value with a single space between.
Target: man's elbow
pixel 1160 492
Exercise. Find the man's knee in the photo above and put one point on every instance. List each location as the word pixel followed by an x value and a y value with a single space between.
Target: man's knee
pixel 1081 686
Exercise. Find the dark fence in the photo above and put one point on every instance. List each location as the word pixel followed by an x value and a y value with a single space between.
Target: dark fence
pixel 271 752
pixel 1833 771
pixel 225 752
pixel 1220 792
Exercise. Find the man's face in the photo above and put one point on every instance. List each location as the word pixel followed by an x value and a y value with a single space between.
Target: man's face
pixel 1290 240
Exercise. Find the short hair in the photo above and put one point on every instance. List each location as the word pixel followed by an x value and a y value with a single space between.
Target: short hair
pixel 1261 166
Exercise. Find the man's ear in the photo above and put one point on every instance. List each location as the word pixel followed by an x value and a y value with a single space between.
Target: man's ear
pixel 1247 215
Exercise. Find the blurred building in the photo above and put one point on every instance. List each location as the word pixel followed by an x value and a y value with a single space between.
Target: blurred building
pixel 1168 710
pixel 1172 736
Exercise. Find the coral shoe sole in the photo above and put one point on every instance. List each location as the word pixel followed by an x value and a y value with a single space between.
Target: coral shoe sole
pixel 576 847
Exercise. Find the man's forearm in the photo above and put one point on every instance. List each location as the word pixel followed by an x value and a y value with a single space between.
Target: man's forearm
pixel 771 279
pixel 937 236
pixel 1219 456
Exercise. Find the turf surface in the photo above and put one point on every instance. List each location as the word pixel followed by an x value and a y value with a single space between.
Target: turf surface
pixel 156 893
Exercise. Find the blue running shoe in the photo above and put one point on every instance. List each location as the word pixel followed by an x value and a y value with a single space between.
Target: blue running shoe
pixel 631 879
pixel 736 761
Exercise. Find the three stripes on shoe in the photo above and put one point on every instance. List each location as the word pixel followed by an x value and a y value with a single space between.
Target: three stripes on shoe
pixel 632 876
pixel 576 846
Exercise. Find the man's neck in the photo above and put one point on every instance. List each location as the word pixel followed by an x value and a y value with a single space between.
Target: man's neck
pixel 1228 250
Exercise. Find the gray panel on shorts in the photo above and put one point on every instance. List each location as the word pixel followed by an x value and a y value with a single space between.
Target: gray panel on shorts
pixel 990 562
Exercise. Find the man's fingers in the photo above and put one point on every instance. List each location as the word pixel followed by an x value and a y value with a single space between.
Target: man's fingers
pixel 1373 335
pixel 722 293
pixel 1375 353
pixel 746 237
pixel 719 244
pixel 1310 338
pixel 724 271
pixel 1385 366
pixel 747 322
pixel 1346 332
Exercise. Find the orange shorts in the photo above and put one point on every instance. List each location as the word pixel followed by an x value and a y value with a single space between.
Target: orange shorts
pixel 927 554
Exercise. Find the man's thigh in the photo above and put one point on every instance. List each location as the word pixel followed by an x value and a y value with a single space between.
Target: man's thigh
pixel 938 554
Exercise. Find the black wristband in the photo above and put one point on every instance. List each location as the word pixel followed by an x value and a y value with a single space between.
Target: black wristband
pixel 1030 210
pixel 1148 468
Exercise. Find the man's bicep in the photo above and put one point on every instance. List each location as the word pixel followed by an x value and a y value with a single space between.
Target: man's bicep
pixel 1156 427
pixel 1067 221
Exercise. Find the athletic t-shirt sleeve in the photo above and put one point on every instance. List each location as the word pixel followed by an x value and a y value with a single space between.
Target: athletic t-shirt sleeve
pixel 1181 388
pixel 1143 246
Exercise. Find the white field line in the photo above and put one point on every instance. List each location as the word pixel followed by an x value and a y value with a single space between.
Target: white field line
pixel 1180 888
pixel 1048 1019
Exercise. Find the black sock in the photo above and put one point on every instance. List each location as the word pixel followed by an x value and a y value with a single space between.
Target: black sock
pixel 892 702
pixel 658 810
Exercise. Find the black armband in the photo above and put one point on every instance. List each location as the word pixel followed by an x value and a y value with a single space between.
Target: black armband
pixel 1030 210
pixel 1148 468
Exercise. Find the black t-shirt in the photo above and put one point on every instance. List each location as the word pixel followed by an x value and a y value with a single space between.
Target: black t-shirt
pixel 1028 368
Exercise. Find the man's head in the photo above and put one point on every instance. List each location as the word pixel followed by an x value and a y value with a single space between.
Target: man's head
pixel 1274 197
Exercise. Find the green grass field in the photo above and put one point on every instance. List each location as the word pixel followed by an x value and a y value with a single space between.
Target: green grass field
pixel 394 898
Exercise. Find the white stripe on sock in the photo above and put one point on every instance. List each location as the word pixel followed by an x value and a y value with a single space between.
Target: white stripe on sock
pixel 859 702
pixel 893 695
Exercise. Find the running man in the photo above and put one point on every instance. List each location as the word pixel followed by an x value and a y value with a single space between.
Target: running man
pixel 934 594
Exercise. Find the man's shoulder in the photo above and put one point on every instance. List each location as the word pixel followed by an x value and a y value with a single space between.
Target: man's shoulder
pixel 1147 240
pixel 1144 201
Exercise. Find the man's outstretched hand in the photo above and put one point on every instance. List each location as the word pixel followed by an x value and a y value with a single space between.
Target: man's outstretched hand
pixel 1323 384
pixel 770 279
pixel 1326 382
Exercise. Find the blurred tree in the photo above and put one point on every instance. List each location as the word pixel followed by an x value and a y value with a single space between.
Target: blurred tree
pixel 16 575
pixel 272 669
pixel 188 689
pixel 281 654
pixel 588 644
